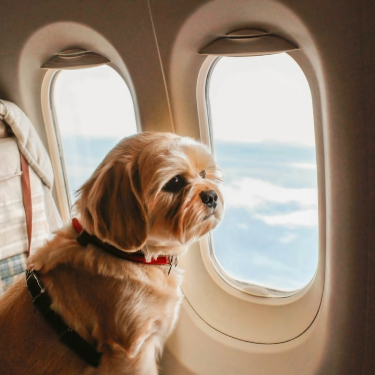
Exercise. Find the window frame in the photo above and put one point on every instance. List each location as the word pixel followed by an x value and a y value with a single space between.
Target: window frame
pixel 61 186
pixel 61 189
pixel 206 133
pixel 249 317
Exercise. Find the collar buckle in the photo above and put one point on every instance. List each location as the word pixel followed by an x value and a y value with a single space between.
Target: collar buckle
pixel 41 299
pixel 173 261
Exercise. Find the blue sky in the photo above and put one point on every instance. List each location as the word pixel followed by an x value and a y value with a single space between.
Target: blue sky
pixel 269 234
pixel 263 131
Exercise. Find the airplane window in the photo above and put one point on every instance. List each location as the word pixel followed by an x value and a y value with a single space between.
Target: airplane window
pixel 263 138
pixel 94 110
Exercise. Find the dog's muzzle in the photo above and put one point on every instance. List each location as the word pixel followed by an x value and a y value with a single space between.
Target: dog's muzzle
pixel 209 198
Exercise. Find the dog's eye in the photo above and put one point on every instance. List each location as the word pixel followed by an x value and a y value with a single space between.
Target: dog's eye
pixel 175 184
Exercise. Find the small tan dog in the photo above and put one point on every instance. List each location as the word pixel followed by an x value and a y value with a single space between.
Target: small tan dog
pixel 154 191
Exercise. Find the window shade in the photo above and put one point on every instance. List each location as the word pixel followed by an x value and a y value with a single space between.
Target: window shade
pixel 75 59
pixel 248 42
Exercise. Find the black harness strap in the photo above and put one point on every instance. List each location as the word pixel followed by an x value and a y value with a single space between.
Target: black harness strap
pixel 67 335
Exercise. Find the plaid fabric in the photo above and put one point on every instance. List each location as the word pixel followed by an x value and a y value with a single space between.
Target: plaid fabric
pixel 11 270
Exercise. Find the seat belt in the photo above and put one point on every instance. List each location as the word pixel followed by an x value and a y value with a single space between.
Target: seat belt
pixel 27 202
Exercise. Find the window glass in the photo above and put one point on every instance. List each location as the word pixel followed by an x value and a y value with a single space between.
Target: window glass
pixel 263 139
pixel 94 111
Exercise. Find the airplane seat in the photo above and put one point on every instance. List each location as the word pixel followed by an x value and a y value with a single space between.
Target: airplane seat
pixel 27 214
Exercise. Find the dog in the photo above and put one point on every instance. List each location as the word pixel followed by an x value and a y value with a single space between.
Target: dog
pixel 150 198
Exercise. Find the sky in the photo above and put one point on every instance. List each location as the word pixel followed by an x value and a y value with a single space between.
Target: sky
pixel 261 99
pixel 94 101
pixel 263 130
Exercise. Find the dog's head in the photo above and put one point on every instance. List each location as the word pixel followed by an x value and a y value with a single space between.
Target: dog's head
pixel 153 189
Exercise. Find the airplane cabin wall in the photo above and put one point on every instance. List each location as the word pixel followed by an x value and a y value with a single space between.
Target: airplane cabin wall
pixel 336 41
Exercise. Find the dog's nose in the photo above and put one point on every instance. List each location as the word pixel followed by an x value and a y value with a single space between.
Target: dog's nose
pixel 209 198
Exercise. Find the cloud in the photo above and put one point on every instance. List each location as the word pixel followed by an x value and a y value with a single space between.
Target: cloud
pixel 242 226
pixel 288 237
pixel 299 218
pixel 304 165
pixel 253 194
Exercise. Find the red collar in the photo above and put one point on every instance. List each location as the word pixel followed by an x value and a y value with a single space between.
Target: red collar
pixel 85 238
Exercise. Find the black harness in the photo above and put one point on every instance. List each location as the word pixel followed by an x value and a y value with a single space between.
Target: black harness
pixel 66 334
pixel 42 301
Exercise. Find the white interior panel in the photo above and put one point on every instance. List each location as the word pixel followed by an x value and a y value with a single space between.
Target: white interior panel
pixel 154 45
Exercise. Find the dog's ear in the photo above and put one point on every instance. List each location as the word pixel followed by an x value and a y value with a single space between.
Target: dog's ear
pixel 111 207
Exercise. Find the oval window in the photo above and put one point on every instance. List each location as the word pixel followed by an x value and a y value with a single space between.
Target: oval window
pixel 263 138
pixel 94 110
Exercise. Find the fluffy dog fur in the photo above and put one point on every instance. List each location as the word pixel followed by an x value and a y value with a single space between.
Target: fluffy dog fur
pixel 126 309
